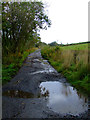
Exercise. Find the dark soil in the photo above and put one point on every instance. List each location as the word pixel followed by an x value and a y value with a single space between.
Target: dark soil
pixel 21 95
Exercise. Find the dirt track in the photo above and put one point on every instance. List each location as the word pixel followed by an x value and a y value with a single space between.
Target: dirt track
pixel 21 95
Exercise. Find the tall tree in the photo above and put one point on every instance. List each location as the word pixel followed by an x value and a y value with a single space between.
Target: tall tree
pixel 20 23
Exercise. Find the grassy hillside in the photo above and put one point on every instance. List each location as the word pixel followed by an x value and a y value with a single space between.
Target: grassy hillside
pixel 72 62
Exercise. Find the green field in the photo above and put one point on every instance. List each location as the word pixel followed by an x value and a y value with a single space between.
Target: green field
pixel 77 47
pixel 72 62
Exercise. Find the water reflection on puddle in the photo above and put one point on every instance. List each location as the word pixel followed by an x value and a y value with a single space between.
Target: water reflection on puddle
pixel 63 99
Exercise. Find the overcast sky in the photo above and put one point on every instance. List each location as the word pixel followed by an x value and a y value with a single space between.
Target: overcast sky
pixel 69 21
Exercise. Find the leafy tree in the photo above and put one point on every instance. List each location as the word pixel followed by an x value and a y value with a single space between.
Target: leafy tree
pixel 53 43
pixel 20 24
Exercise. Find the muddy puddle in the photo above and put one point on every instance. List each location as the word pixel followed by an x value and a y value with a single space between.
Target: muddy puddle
pixel 64 99
pixel 18 94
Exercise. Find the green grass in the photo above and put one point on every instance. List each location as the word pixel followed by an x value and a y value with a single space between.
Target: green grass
pixel 8 72
pixel 72 62
pixel 12 63
pixel 77 47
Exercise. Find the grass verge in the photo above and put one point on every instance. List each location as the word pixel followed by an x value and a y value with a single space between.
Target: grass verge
pixel 12 63
pixel 72 62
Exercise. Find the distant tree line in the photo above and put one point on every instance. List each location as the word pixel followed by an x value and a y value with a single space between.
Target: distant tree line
pixel 21 22
pixel 56 44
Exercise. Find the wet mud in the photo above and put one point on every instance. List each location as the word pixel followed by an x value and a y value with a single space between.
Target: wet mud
pixel 39 91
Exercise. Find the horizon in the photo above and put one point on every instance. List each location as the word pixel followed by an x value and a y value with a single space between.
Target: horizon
pixel 67 43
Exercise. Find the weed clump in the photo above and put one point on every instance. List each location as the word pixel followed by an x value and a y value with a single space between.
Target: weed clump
pixel 12 63
pixel 72 62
